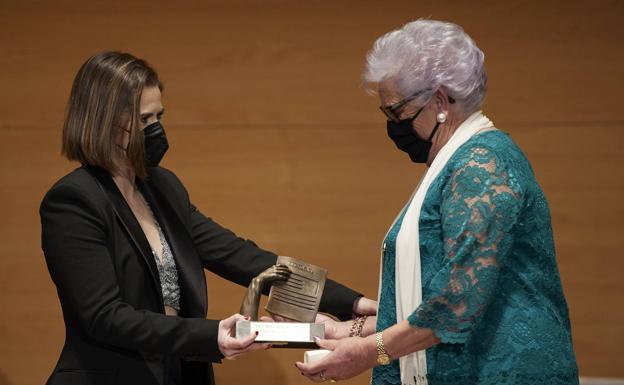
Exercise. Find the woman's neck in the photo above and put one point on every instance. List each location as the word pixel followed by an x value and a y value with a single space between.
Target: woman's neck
pixel 444 134
pixel 124 178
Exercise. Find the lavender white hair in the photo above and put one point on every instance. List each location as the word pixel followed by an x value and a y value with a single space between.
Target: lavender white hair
pixel 430 54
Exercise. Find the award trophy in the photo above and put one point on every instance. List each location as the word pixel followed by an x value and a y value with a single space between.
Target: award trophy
pixel 296 289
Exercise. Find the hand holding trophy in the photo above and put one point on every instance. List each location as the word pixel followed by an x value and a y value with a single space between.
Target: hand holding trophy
pixel 251 302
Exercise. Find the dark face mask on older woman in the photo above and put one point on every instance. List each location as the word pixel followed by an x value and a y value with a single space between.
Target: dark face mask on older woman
pixel 403 135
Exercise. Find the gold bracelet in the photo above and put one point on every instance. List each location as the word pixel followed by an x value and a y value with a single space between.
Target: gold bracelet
pixel 357 327
pixel 383 358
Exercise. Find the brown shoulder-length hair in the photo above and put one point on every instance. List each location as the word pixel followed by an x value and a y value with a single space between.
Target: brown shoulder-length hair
pixel 105 99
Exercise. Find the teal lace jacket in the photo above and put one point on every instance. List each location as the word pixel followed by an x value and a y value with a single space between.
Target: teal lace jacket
pixel 491 287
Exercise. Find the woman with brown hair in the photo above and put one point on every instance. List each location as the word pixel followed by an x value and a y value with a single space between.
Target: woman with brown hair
pixel 126 248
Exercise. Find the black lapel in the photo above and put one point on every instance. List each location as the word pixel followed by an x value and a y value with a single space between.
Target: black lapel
pixel 190 271
pixel 128 221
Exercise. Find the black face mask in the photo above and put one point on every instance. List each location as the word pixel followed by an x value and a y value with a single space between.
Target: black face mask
pixel 156 144
pixel 404 137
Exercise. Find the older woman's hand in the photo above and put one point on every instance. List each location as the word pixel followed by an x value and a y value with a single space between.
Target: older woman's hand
pixel 231 347
pixel 333 329
pixel 349 357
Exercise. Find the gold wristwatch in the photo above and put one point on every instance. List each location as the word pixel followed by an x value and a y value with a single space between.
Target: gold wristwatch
pixel 382 355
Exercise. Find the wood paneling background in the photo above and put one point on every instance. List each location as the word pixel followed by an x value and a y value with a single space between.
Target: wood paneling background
pixel 275 138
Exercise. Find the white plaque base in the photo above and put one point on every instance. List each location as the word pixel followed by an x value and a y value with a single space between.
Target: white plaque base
pixel 282 334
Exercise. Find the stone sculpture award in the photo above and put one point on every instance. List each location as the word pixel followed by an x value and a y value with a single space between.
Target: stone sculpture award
pixel 296 289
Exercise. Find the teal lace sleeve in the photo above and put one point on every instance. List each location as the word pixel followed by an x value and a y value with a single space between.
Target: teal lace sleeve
pixel 479 205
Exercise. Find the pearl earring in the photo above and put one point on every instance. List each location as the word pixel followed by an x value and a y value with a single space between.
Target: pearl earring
pixel 441 117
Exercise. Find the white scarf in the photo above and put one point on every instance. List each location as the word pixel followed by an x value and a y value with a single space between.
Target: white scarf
pixel 407 275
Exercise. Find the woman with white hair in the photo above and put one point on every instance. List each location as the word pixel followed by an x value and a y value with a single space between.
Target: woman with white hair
pixel 470 291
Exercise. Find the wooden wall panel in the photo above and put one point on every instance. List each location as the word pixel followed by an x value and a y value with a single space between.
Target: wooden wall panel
pixel 275 138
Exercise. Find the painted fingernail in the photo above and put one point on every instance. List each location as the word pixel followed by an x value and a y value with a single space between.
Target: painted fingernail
pixel 257 332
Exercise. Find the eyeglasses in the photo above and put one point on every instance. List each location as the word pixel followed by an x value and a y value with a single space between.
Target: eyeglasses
pixel 392 111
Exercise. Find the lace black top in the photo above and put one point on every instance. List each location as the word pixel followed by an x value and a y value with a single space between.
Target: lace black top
pixel 167 272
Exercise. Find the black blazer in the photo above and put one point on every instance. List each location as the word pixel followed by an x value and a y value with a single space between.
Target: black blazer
pixel 109 289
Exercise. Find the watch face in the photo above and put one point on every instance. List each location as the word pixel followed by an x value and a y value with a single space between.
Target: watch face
pixel 383 359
